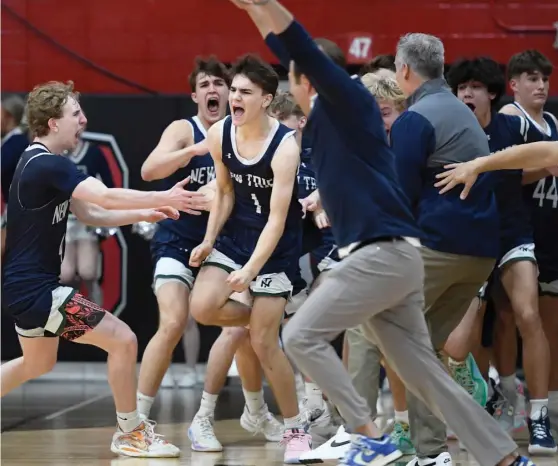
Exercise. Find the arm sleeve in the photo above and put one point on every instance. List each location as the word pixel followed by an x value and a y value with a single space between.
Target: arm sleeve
pixel 413 140
pixel 332 83
pixel 276 46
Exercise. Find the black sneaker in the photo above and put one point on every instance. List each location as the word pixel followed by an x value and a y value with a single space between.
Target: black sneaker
pixel 541 441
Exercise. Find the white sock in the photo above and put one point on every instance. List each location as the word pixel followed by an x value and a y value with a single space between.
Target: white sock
pixel 536 408
pixel 144 404
pixel 128 421
pixel 207 405
pixel 294 422
pixel 314 395
pixel 254 400
pixel 402 416
pixel 508 385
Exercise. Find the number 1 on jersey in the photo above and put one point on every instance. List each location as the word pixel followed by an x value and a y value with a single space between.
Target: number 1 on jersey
pixel 257 204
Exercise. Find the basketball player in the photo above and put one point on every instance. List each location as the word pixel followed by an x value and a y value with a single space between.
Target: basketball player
pixel 253 233
pixel 45 187
pixel 529 74
pixel 479 83
pixel 82 243
pixel 175 157
pixel 14 142
pixel 380 282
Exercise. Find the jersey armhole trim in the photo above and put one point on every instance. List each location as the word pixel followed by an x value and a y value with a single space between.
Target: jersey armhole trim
pixel 18 184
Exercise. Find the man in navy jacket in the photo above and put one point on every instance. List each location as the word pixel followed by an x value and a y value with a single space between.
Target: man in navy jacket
pixel 379 284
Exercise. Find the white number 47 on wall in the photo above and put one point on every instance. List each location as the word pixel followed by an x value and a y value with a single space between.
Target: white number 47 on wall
pixel 360 47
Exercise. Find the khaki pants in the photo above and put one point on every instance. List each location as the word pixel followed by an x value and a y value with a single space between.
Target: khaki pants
pixel 451 282
pixel 380 287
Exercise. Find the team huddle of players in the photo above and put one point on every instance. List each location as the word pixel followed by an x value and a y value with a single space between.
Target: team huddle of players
pixel 247 192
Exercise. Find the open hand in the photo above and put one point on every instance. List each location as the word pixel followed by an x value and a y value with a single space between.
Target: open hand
pixel 190 202
pixel 321 220
pixel 162 213
pixel 458 173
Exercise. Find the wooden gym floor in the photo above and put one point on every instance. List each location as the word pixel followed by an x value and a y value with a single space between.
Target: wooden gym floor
pixel 62 422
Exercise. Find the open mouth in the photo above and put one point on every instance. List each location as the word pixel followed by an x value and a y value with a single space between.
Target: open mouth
pixel 471 106
pixel 213 105
pixel 237 111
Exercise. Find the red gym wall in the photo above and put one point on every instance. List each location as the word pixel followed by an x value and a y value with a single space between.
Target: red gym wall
pixel 153 42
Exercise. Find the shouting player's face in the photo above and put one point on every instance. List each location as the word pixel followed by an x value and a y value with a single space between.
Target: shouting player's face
pixel 247 100
pixel 476 96
pixel 67 129
pixel 531 89
pixel 211 96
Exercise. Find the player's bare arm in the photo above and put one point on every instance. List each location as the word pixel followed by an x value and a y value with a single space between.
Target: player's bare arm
pixel 94 191
pixel 285 165
pixel 94 215
pixel 223 200
pixel 174 150
pixel 536 155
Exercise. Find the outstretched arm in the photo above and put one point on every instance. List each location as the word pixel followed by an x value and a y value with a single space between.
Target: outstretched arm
pixel 92 214
pixel 541 154
pixel 330 81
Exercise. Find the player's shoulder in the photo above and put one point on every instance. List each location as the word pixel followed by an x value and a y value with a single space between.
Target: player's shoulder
pixel 511 109
pixel 181 129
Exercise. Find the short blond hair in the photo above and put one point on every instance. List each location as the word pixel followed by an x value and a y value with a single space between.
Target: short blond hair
pixel 284 106
pixel 383 86
pixel 46 101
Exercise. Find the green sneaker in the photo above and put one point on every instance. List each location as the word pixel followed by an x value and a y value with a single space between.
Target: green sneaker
pixel 401 436
pixel 467 374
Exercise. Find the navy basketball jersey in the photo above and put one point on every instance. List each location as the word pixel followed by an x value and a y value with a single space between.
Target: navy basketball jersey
pixel 37 215
pixel 313 238
pixel 542 200
pixel 505 131
pixel 201 171
pixel 90 160
pixel 13 145
pixel 253 179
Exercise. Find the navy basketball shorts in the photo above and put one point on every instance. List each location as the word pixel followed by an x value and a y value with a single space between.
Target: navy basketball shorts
pixel 170 254
pixel 70 316
pixel 234 248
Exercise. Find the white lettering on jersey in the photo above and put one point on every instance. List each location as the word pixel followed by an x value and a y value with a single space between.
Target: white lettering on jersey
pixel 60 212
pixel 202 175
pixel 252 180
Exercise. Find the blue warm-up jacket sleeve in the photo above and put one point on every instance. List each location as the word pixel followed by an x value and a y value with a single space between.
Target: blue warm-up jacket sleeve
pixel 412 141
pixel 276 46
